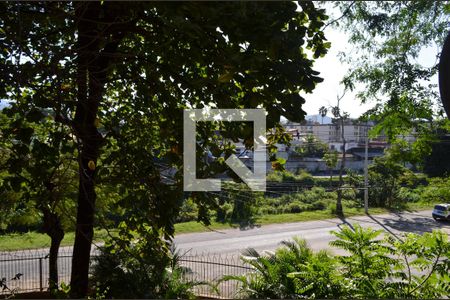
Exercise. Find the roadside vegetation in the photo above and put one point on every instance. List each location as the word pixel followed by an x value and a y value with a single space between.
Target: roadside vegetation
pixel 290 198
pixel 93 96
pixel 410 267
pixel 391 187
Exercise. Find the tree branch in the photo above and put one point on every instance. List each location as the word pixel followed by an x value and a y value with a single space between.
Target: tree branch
pixel 346 11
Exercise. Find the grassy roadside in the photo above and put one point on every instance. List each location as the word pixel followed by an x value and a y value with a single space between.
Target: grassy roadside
pixel 33 240
pixel 189 227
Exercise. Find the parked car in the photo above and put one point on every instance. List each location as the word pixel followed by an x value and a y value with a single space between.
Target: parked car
pixel 441 211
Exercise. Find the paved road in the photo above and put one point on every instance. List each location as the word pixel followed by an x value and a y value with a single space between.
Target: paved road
pixel 317 233
pixel 228 243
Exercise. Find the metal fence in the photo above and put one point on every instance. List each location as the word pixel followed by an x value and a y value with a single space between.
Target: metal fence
pixel 211 268
pixel 27 271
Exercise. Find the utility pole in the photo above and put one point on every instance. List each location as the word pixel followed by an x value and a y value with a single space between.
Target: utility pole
pixel 366 171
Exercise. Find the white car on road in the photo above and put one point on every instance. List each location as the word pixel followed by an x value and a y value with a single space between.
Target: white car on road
pixel 441 211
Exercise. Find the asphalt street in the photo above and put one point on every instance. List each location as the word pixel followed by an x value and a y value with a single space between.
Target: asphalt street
pixel 227 243
pixel 317 233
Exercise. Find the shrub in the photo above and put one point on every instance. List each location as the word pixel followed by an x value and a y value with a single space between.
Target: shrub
pixel 268 210
pixel 288 176
pixel 348 193
pixel 293 271
pixel 315 199
pixel 275 176
pixel 305 178
pixel 384 180
pixel 226 210
pixel 188 211
pixel 302 177
pixel 128 273
pixel 415 267
pixel 238 204
pixel 408 195
pixel 436 191
pixel 319 205
pixel 296 207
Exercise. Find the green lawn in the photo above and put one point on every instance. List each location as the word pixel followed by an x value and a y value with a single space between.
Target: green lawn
pixel 32 240
pixel 188 227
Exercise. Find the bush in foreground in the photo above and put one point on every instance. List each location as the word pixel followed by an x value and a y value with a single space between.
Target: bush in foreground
pixel 413 267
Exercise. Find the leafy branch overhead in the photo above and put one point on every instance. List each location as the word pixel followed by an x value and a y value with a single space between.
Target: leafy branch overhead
pixel 389 40
pixel 110 81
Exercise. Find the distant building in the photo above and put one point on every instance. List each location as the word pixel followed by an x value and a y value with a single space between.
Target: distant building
pixel 355 133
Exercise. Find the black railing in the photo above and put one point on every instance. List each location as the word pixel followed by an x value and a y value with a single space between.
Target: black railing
pixel 211 268
pixel 27 271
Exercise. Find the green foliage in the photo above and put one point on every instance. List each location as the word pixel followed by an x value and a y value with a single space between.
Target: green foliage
pixel 188 211
pixel 384 180
pixel 312 147
pixel 391 185
pixel 141 270
pixel 368 260
pixel 331 159
pixel 63 291
pixel 109 82
pixel 37 172
pixel 302 177
pixel 414 267
pixel 130 267
pixel 436 191
pixel 318 278
pixel 293 271
pixel 438 162
pixel 389 38
pixel 237 204
pixel 307 200
pixel 276 176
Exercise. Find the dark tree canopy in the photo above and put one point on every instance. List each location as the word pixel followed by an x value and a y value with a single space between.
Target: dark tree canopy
pixel 444 75
pixel 438 162
pixel 117 76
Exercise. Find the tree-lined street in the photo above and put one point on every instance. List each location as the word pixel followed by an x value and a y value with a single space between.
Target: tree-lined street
pixel 268 237
pixel 108 126
pixel 316 233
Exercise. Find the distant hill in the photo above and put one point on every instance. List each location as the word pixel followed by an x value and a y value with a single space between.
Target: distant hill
pixel 318 118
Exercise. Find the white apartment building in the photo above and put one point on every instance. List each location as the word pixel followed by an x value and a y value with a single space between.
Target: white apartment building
pixel 331 133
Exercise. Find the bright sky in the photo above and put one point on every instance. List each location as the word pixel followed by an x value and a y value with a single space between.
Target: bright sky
pixel 332 71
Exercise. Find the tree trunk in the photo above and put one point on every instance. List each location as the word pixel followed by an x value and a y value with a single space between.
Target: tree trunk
pixel 331 179
pixel 53 228
pixel 339 210
pixel 93 61
pixel 91 141
pixel 85 228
